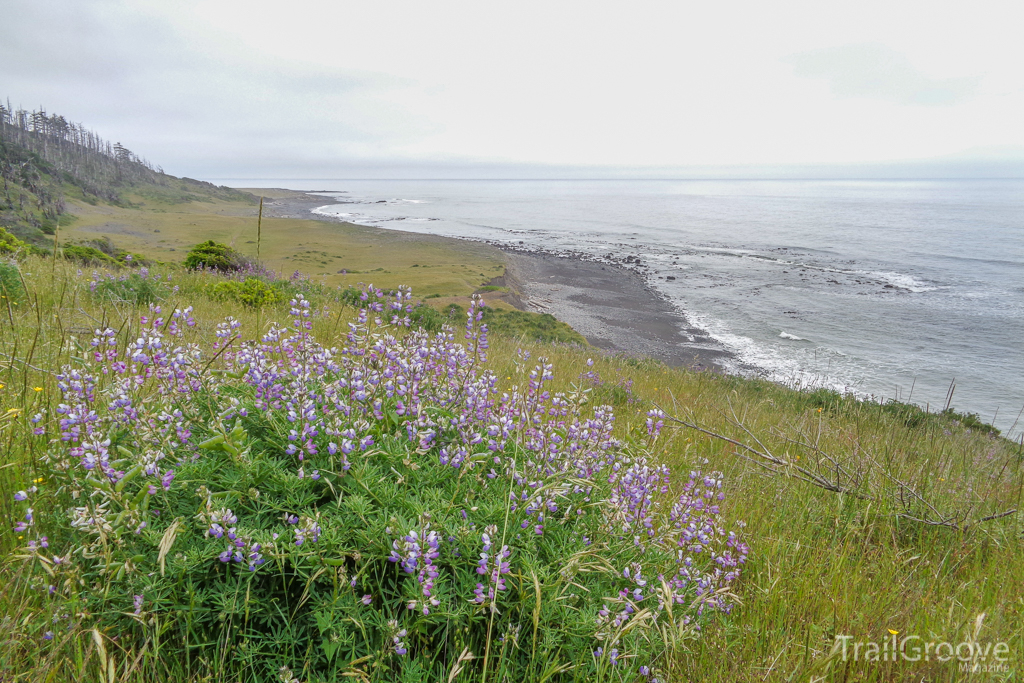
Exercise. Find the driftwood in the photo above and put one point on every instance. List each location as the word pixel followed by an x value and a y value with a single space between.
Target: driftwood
pixel 830 474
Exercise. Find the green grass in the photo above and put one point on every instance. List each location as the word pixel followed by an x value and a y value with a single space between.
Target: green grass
pixel 522 325
pixel 334 253
pixel 822 564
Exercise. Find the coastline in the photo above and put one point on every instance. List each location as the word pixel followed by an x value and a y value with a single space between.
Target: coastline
pixel 612 306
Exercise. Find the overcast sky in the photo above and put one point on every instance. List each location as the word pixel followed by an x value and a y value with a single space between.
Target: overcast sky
pixel 322 89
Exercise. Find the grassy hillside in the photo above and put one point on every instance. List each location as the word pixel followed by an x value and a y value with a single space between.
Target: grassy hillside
pixel 47 163
pixel 863 520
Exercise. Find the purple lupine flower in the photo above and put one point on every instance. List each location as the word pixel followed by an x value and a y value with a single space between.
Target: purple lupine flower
pixel 308 530
pixel 397 635
pixel 417 550
pixel 492 566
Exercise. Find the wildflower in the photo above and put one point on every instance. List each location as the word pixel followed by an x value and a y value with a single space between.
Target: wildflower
pixel 48 635
pixel 20 495
pixel 37 389
pixel 397 636
pixel 415 546
pixel 891 632
pixel 308 530
pixel 493 567
pixel 367 599
pixel 285 675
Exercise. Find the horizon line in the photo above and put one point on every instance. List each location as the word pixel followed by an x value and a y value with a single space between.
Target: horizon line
pixel 775 178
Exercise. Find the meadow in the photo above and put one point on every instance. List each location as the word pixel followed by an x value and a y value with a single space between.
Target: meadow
pixel 199 489
pixel 159 224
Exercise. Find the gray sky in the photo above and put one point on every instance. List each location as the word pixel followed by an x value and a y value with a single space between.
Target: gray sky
pixel 322 89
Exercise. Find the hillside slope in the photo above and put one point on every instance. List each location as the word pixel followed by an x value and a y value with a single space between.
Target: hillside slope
pixel 45 160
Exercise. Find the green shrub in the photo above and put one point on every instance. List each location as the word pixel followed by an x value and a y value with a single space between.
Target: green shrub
pixel 102 252
pixel 90 256
pixel 216 256
pixel 432 319
pixel 542 327
pixel 535 326
pixel 133 289
pixel 11 245
pixel 254 293
pixel 969 421
pixel 10 282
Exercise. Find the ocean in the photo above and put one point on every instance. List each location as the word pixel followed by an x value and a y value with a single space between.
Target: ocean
pixel 885 288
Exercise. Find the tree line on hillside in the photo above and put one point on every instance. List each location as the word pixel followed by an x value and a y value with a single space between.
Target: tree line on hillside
pixel 77 155
pixel 43 156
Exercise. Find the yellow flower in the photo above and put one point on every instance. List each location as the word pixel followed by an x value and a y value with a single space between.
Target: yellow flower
pixel 37 388
pixel 895 633
pixel 1 386
pixel 819 410
pixel 40 480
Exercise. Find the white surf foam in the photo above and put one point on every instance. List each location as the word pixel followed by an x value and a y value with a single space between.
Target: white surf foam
pixel 902 281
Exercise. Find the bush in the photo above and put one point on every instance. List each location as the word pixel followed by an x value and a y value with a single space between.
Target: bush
pixel 969 421
pixel 378 514
pixel 542 327
pixel 535 326
pixel 253 292
pixel 433 320
pixel 102 252
pixel 135 289
pixel 89 256
pixel 216 256
pixel 11 245
pixel 11 286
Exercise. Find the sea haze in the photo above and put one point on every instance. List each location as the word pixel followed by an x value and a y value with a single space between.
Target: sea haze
pixel 890 289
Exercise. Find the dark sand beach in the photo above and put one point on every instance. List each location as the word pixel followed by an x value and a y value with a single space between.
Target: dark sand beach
pixel 611 306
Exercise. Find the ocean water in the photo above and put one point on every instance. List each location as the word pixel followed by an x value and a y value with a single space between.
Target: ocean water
pixel 889 289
